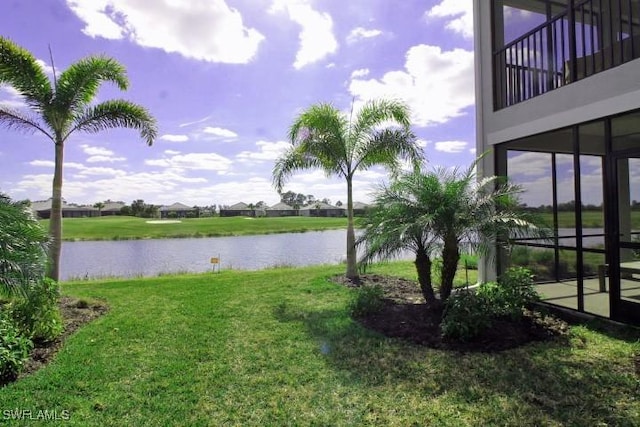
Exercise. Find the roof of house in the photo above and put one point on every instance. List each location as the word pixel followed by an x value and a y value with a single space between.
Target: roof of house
pixel 176 207
pixel 360 205
pixel 238 207
pixel 280 207
pixel 45 205
pixel 320 205
pixel 113 206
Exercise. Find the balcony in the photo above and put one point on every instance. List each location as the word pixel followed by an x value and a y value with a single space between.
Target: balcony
pixel 586 38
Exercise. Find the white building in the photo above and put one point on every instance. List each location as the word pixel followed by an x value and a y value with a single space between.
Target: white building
pixel 558 107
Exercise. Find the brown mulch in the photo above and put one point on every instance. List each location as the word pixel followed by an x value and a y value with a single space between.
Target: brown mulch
pixel 406 316
pixel 75 313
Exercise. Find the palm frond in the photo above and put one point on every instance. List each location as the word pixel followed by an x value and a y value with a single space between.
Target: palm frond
pixel 78 85
pixel 19 69
pixel 17 120
pixel 386 147
pixel 293 160
pixel 114 114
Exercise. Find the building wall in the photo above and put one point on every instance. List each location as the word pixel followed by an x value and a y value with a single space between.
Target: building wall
pixel 612 91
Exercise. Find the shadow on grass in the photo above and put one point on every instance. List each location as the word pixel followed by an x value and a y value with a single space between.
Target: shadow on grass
pixel 580 381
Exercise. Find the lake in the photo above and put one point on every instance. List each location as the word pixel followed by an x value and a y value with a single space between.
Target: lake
pixel 131 258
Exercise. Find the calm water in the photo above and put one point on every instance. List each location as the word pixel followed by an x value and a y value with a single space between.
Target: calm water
pixel 128 258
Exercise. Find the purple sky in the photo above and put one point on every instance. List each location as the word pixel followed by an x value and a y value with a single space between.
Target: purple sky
pixel 226 78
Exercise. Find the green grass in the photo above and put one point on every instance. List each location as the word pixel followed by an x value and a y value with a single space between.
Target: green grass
pixel 276 347
pixel 126 227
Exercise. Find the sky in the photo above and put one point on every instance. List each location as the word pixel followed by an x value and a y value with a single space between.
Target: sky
pixel 225 79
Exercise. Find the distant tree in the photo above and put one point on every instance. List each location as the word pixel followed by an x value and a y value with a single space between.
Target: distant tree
pixel 310 199
pixel 62 107
pixel 138 207
pixel 99 206
pixel 327 201
pixel 323 137
pixel 338 203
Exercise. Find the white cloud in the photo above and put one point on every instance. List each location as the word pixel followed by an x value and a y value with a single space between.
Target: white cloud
pixel 459 14
pixel 46 67
pixel 422 143
pixel 437 85
pixel 267 151
pixel 204 30
pixel 96 151
pixel 220 132
pixel 316 38
pixel 360 33
pixel 451 146
pixel 11 98
pixel 194 161
pixel 174 138
pixel 100 154
pixel 105 159
pixel 171 152
pixel 362 72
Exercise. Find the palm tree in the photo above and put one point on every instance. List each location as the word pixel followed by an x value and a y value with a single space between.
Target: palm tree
pixel 23 244
pixel 394 225
pixel 59 108
pixel 323 137
pixel 446 208
pixel 99 206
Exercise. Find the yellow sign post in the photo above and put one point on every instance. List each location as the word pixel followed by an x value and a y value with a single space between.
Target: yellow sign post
pixel 215 261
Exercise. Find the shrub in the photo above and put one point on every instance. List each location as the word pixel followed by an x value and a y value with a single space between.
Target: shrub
pixel 367 300
pixel 14 349
pixel 37 314
pixel 513 292
pixel 465 316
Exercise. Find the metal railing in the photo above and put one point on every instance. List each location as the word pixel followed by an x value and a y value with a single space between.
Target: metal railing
pixel 591 36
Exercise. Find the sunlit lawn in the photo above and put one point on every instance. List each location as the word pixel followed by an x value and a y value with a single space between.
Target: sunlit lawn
pixel 127 227
pixel 276 347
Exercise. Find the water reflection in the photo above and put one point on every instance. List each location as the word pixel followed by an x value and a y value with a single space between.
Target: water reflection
pixel 130 258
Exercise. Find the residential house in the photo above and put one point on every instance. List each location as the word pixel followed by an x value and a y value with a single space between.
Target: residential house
pixel 42 210
pixel 359 208
pixel 558 110
pixel 177 210
pixel 280 209
pixel 111 208
pixel 239 209
pixel 323 210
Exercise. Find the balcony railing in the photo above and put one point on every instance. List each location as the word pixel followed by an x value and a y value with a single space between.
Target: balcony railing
pixel 589 37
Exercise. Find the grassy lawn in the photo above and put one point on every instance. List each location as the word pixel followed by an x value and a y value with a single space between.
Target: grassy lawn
pixel 276 347
pixel 126 227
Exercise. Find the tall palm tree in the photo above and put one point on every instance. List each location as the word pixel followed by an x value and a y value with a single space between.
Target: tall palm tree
pixel 63 106
pixel 341 145
pixel 448 209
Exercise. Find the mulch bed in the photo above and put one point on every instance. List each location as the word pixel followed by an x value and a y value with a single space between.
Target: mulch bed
pixel 406 316
pixel 75 313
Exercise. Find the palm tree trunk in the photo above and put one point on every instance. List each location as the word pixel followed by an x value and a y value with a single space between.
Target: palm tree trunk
pixel 352 266
pixel 55 222
pixel 423 267
pixel 450 258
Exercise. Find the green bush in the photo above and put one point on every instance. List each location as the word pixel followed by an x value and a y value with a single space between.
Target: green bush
pixel 513 292
pixel 14 349
pixel 367 300
pixel 465 316
pixel 37 314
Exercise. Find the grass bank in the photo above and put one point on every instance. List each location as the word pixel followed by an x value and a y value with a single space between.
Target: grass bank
pixel 126 227
pixel 276 347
